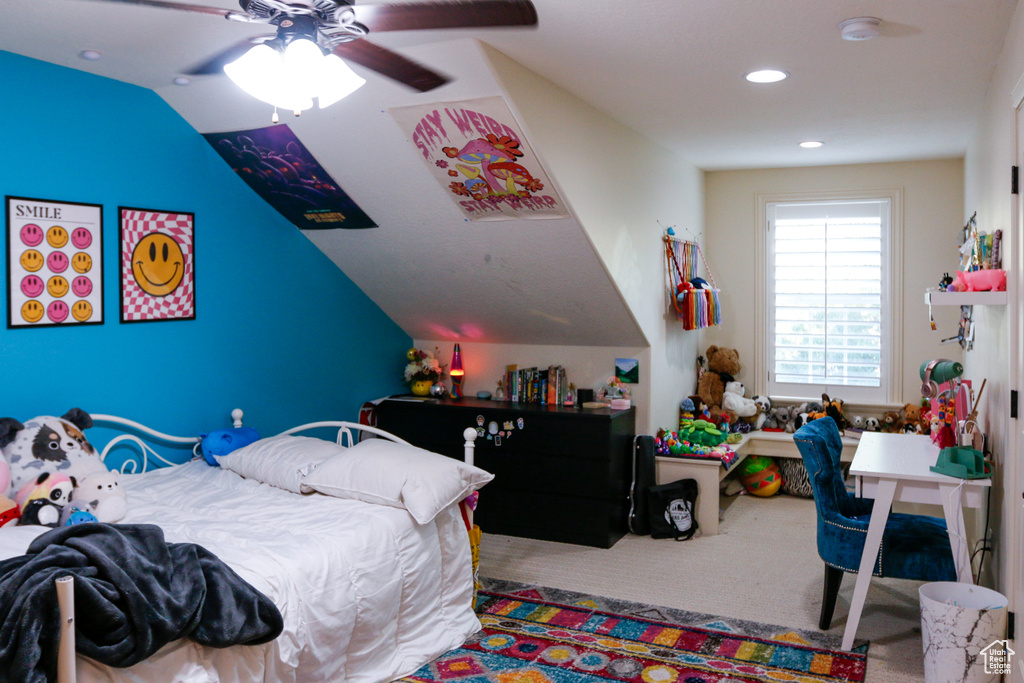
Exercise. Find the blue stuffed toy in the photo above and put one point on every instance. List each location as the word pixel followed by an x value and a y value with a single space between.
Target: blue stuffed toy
pixel 221 442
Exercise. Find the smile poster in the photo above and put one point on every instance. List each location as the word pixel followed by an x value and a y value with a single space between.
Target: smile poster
pixel 476 151
pixel 279 168
pixel 157 265
pixel 54 263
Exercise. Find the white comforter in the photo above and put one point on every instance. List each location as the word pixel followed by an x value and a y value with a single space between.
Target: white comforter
pixel 366 593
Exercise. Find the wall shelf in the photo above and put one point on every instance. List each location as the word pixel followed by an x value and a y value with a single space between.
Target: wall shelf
pixel 934 297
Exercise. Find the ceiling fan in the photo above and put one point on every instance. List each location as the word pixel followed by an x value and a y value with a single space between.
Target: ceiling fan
pixel 338 27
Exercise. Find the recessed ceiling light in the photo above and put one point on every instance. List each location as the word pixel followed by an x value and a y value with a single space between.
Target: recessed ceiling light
pixel 811 144
pixel 182 80
pixel 91 55
pixel 766 76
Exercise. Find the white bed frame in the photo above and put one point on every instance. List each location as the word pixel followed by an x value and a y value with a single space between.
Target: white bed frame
pixel 347 431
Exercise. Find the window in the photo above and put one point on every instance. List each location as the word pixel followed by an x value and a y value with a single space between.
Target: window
pixel 830 299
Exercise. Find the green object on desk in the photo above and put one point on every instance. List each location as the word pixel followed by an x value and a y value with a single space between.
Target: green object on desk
pixel 962 462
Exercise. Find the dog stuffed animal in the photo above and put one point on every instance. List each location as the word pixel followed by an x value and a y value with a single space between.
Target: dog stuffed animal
pixel 48 444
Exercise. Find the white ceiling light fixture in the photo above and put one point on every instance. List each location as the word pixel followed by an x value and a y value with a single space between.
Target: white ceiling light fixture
pixel 90 55
pixel 861 28
pixel 766 76
pixel 811 144
pixel 290 70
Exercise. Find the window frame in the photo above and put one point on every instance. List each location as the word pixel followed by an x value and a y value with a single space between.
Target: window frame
pixel 892 347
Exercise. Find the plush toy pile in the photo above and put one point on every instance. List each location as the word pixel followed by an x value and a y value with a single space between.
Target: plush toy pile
pixel 54 475
pixel 717 388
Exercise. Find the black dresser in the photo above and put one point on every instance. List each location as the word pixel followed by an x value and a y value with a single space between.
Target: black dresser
pixel 560 473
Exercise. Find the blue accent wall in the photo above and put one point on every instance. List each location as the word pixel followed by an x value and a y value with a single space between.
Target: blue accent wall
pixel 280 331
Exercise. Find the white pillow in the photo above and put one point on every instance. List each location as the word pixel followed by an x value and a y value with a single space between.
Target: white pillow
pixel 403 476
pixel 280 461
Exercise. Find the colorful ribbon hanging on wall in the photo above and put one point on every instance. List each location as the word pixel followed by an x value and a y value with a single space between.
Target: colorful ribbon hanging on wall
pixel 696 304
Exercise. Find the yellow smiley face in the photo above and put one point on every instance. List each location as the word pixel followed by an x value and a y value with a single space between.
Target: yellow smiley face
pixel 57 237
pixel 57 286
pixel 158 264
pixel 81 311
pixel 81 262
pixel 32 311
pixel 31 260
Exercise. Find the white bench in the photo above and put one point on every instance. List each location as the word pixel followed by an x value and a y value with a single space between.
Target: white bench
pixel 709 472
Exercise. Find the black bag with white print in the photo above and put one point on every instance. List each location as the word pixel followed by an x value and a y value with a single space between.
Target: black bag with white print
pixel 673 509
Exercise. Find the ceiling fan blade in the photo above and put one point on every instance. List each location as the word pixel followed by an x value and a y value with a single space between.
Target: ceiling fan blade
pixel 390 64
pixel 201 9
pixel 452 14
pixel 215 64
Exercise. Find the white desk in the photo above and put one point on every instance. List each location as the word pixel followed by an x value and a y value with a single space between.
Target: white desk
pixel 894 467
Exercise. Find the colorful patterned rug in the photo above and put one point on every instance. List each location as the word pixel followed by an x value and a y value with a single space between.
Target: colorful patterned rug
pixel 529 636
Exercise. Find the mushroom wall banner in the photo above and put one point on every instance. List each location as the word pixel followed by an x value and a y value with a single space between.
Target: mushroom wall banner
pixel 477 152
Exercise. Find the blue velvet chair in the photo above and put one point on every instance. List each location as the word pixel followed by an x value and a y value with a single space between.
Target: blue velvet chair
pixel 913 546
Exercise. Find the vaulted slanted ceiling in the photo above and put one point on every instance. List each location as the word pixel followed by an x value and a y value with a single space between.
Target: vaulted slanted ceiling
pixel 671 69
pixel 437 275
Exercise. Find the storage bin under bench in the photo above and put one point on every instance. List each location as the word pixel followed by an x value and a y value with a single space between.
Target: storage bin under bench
pixel 709 473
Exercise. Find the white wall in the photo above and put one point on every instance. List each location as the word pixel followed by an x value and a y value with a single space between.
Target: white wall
pixel 987 191
pixel 620 186
pixel 932 218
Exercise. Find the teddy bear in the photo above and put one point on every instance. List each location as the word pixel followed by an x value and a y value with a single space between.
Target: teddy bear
pixel 891 422
pixel 872 424
pixel 723 365
pixel 736 404
pixel 103 495
pixel 912 421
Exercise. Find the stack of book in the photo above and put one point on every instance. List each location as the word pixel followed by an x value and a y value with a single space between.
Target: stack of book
pixel 536 385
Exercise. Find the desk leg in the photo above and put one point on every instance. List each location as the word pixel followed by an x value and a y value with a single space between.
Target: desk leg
pixel 954 511
pixel 879 515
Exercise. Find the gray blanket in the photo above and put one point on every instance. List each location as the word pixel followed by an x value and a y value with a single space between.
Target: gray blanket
pixel 134 593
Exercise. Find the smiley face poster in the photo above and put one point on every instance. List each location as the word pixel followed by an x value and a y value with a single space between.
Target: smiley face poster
pixel 157 265
pixel 54 263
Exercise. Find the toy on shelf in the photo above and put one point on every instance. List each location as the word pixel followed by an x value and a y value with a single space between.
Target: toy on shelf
pixel 978 281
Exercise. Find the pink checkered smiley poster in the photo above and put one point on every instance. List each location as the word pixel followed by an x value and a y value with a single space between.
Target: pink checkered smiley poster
pixel 157 265
pixel 54 263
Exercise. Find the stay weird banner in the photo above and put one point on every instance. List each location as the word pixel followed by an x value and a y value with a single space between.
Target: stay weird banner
pixel 476 151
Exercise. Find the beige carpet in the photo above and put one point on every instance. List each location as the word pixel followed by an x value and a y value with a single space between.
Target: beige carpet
pixel 762 566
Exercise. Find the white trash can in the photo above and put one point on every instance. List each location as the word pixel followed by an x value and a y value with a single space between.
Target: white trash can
pixel 963 632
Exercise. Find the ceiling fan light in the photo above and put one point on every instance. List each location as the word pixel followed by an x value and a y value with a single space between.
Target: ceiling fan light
pixel 302 59
pixel 253 71
pixel 337 80
pixel 261 72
